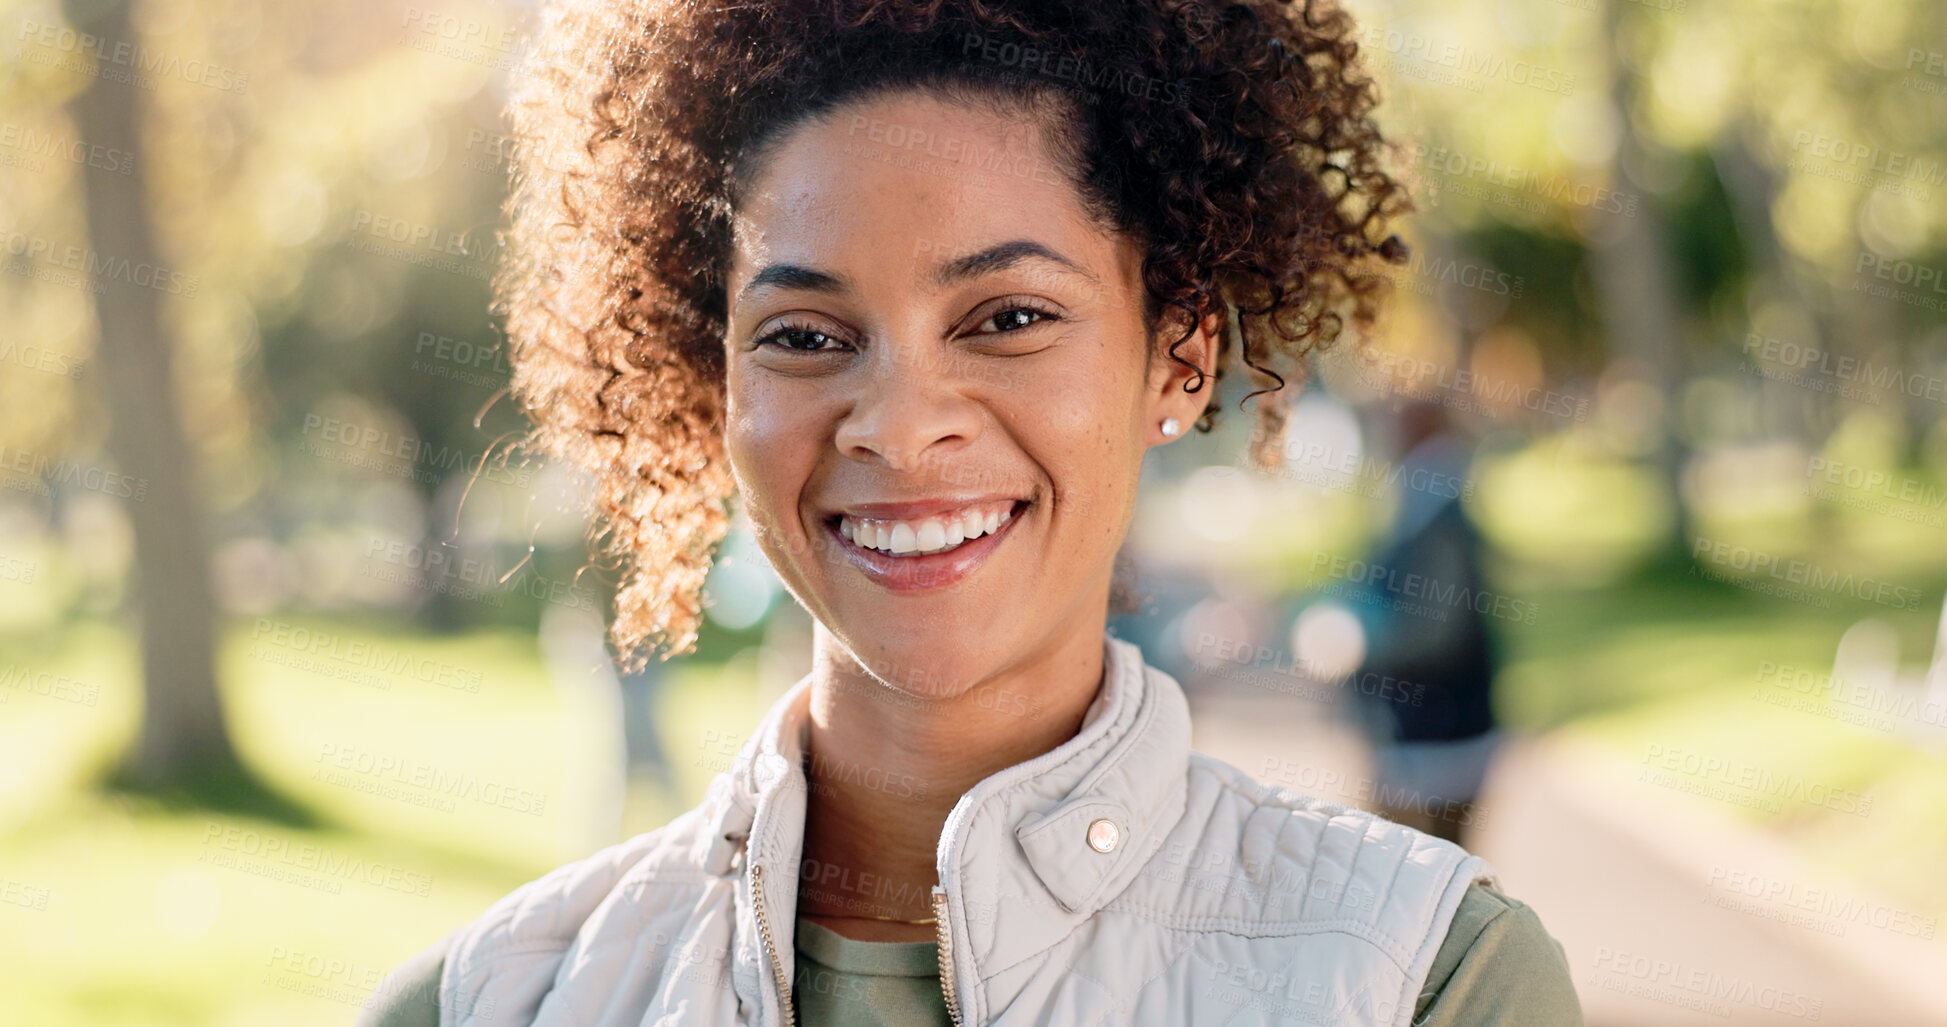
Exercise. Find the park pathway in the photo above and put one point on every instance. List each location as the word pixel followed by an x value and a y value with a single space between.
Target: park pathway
pixel 1645 891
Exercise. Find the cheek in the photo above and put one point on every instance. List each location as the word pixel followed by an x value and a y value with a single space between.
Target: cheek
pixel 769 447
pixel 1079 424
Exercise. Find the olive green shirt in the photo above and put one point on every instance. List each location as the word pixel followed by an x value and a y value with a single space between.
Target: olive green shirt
pixel 1498 967
pixel 840 981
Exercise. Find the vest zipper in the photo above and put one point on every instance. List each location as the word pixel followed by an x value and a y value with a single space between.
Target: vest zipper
pixel 946 954
pixel 764 928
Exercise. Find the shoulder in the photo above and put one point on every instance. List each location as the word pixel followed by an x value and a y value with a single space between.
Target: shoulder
pixel 409 995
pixel 1498 965
pixel 1291 862
pixel 1305 826
pixel 535 924
pixel 553 906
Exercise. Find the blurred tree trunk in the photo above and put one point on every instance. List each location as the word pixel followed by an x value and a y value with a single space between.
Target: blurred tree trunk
pixel 1852 323
pixel 183 739
pixel 1787 409
pixel 1631 258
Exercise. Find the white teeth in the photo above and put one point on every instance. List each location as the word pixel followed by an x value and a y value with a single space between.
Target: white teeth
pixel 928 535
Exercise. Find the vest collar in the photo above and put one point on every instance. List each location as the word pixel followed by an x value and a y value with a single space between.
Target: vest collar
pixel 1019 836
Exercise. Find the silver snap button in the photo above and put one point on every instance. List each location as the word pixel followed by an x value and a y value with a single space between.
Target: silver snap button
pixel 1103 835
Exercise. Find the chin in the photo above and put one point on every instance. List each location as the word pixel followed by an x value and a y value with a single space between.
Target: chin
pixel 922 663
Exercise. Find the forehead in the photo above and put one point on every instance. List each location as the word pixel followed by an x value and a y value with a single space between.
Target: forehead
pixel 905 180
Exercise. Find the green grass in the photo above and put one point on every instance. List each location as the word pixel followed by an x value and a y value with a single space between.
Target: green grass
pixel 117 910
pixel 158 917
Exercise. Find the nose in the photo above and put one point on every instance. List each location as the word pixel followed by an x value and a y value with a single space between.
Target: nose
pixel 911 406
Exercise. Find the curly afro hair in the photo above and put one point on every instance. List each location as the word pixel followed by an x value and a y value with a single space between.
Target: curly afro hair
pixel 1233 141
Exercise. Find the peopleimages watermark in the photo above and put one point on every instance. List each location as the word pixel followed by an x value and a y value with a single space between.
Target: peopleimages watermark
pixel 1293 995
pixel 950 157
pixel 1463 389
pixel 348 982
pixel 720 750
pixel 1919 285
pixel 827 771
pixel 23 895
pixel 837 884
pixel 1524 183
pixel 121 60
pixel 41 468
pixel 1847 376
pixel 1861 704
pixel 1345 469
pixel 1316 782
pixel 43 359
pixel 1816 909
pixel 448 571
pixel 461 360
pixel 403 452
pixel 396 238
pixel 488 152
pixel 60 687
pixel 306 865
pixel 1454 64
pixel 320 976
pixel 1693 987
pixel 24 147
pixel 1795 572
pixel 326 651
pixel 418 783
pixel 460 39
pixel 1427 594
pixel 1061 67
pixel 1424 274
pixel 1867 164
pixel 13 568
pixel 90 268
pixel 1878 491
pixel 1243 660
pixel 1743 784
pixel 1931 73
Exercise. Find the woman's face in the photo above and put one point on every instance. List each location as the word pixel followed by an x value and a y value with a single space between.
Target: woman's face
pixel 927 336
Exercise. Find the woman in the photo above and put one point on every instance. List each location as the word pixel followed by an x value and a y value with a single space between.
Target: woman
pixel 919 286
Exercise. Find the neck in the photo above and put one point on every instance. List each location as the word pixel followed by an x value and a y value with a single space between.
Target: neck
pixel 885 767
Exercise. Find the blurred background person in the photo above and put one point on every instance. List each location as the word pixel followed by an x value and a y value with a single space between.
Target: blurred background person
pixel 1424 692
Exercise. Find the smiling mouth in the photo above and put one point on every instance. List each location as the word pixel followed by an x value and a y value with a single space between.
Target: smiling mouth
pixel 926 536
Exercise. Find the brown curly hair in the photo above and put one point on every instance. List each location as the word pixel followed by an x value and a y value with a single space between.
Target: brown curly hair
pixel 1232 140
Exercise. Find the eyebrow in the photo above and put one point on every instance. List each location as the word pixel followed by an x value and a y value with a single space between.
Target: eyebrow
pixel 795 276
pixel 998 257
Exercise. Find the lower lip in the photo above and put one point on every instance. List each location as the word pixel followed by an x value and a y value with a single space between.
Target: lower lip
pixel 924 573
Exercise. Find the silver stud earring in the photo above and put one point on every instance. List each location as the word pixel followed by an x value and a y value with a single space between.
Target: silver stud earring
pixel 1171 427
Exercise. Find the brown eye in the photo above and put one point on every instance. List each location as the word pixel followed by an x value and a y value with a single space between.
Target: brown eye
pixel 797 339
pixel 1013 319
pixel 1008 320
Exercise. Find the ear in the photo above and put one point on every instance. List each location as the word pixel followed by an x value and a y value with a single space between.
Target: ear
pixel 1165 396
